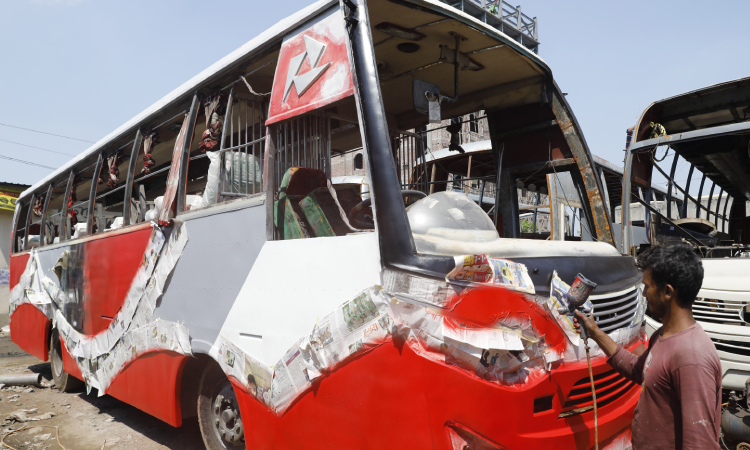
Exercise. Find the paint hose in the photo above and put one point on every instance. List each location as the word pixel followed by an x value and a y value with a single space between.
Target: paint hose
pixel 57 435
pixel 593 394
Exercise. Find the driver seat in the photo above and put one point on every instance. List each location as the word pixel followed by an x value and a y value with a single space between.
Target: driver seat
pixel 308 206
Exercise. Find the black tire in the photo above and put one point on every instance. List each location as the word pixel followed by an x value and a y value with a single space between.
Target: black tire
pixel 63 380
pixel 218 412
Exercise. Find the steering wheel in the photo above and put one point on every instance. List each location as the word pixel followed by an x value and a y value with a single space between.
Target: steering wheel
pixel 360 218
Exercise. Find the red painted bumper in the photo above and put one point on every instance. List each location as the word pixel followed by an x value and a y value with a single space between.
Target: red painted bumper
pixel 394 398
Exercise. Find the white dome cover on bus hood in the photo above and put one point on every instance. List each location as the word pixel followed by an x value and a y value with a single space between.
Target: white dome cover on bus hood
pixel 449 223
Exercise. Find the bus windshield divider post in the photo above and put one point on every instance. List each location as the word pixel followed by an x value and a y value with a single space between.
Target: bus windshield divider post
pixel 397 248
pixel 92 195
pixel 128 196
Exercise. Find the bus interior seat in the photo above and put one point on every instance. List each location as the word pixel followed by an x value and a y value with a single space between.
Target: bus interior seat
pixel 309 207
pixel 348 196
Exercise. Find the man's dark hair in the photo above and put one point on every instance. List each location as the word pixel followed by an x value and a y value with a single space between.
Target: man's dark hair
pixel 677 265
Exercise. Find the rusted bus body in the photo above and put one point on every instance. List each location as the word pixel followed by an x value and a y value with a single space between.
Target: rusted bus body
pixel 214 212
pixel 706 129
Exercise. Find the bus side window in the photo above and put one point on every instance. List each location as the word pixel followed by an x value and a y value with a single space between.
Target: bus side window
pixel 228 149
pixel 55 214
pixel 35 224
pixel 78 203
pixel 110 191
pixel 152 170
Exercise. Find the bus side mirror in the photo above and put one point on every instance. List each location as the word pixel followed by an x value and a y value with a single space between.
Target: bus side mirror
pixel 427 99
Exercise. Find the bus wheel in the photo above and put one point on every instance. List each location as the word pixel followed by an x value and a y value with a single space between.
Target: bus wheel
pixel 63 380
pixel 219 412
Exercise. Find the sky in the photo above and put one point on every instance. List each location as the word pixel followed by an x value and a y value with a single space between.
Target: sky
pixel 82 68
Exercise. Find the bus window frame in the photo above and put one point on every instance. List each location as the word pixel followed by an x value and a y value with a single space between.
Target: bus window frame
pixel 185 154
pixel 64 232
pixel 92 195
pixel 43 220
pixel 128 195
pixel 14 232
pixel 28 222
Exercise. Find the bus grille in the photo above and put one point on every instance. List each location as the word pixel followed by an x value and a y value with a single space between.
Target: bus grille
pixel 735 347
pixel 719 311
pixel 613 311
pixel 609 387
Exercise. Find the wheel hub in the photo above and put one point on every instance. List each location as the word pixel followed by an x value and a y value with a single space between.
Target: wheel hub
pixel 226 417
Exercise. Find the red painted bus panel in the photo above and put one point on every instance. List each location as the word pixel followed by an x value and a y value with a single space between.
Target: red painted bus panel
pixel 69 364
pixel 29 329
pixel 411 400
pixel 110 266
pixel 151 383
pixel 17 266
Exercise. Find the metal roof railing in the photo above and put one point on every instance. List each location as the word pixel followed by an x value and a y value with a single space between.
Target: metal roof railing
pixel 505 17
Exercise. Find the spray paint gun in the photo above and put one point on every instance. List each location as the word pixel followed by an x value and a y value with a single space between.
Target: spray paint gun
pixel 577 296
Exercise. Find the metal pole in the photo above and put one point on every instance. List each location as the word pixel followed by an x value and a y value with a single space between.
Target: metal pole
pixel 699 200
pixel 625 214
pixel 481 193
pixel 669 185
pixel 186 144
pixel 92 195
pixel 497 182
pixel 685 202
pixel 128 196
pixel 536 211
pixel 716 213
pixel 227 120
pixel 607 201
pixel 710 200
pixel 724 215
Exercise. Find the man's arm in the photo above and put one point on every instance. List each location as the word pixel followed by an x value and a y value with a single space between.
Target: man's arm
pixel 697 390
pixel 627 364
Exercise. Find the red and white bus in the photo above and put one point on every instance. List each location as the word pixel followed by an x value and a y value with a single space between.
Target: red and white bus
pixel 198 260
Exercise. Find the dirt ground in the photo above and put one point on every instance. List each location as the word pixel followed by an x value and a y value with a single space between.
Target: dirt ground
pixel 85 422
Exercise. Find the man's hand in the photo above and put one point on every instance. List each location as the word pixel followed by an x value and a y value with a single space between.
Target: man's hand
pixel 588 322
pixel 608 346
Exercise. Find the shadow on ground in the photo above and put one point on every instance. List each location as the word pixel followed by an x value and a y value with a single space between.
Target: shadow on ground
pixel 186 437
